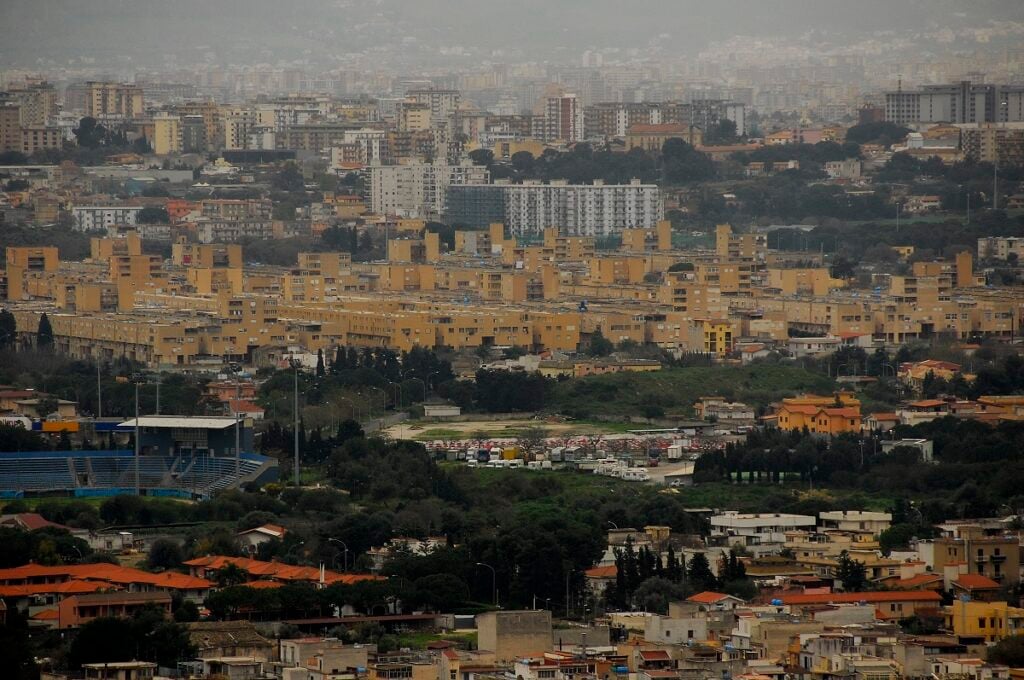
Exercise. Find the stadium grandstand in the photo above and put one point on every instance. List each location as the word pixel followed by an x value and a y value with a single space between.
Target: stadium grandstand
pixel 184 457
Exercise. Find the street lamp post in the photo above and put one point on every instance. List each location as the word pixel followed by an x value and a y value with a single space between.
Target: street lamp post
pixel 137 449
pixel 345 554
pixel 295 365
pixel 494 581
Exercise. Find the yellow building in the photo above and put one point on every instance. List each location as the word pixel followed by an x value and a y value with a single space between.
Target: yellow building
pixel 985 621
pixel 717 335
pixel 166 134
pixel 104 99
pixel 23 262
pixel 814 281
pixel 820 415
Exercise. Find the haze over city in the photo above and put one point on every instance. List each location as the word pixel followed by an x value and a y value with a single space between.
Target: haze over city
pixel 488 340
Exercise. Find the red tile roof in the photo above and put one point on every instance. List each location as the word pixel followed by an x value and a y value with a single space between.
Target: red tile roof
pixel 975 582
pixel 708 597
pixel 110 573
pixel 916 581
pixel 602 572
pixel 854 598
pixel 74 587
pixel 46 615
pixel 654 655
pixel 276 571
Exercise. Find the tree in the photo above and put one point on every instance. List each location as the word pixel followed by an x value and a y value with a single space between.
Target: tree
pixel 723 133
pixel 682 163
pixel 230 575
pixel 655 593
pixel 8 329
pixel 483 157
pixel 89 133
pixel 599 346
pixel 531 441
pixel 851 573
pixel 164 554
pixel 289 178
pixel 44 334
pixel 320 371
pixel 699 574
pixel 1008 651
pixel 151 215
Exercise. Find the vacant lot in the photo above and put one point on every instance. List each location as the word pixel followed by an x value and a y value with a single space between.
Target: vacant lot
pixel 672 392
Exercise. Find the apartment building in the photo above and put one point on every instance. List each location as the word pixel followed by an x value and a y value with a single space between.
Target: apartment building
pixel 1001 248
pixel 113 100
pixel 963 102
pixel 750 529
pixel 1000 143
pixel 167 134
pixel 101 217
pixel 562 120
pixel 576 209
pixel 997 557
pixel 419 189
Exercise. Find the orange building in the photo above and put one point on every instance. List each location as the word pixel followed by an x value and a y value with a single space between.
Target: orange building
pixel 820 415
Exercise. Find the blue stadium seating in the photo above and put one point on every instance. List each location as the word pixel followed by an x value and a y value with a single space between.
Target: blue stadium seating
pixel 81 471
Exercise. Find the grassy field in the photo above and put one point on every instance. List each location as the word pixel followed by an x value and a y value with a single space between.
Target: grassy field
pixel 675 390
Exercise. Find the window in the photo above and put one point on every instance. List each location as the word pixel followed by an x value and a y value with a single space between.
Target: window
pixel 981 622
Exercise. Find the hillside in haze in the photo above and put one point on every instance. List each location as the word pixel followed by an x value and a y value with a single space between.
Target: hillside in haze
pixel 150 32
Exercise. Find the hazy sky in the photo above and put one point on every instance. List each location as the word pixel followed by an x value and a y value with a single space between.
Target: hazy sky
pixel 238 31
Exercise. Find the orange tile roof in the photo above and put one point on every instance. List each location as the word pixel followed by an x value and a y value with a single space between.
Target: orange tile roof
pixel 975 582
pixel 111 573
pixel 853 598
pixel 263 585
pixel 46 615
pixel 708 597
pixel 916 581
pixel 276 571
pixel 74 587
pixel 610 571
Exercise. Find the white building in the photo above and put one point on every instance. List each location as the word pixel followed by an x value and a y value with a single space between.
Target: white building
pixel 1000 248
pixel 96 217
pixel 232 231
pixel 596 209
pixel 418 190
pixel 758 528
pixel 856 520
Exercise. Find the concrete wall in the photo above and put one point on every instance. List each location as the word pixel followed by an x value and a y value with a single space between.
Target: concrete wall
pixel 511 634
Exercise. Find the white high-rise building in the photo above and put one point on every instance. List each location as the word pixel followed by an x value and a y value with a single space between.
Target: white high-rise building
pixel 418 190
pixel 582 209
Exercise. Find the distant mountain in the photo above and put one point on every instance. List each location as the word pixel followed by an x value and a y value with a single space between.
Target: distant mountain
pixel 148 31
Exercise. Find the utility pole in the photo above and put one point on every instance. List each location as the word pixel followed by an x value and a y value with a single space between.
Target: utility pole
pixel 238 434
pixel 157 394
pixel 99 392
pixel 137 448
pixel 296 367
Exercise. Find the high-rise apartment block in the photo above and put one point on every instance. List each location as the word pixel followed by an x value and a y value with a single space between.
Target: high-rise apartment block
pixel 419 189
pixel 576 209
pixel 963 102
pixel 113 100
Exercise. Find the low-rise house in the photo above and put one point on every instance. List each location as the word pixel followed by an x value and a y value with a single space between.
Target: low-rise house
pixel 251 539
pixel 873 523
pixel 77 610
pixel 215 639
pixel 887 605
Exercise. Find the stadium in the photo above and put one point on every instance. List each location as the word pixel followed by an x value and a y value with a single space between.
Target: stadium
pixel 180 457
